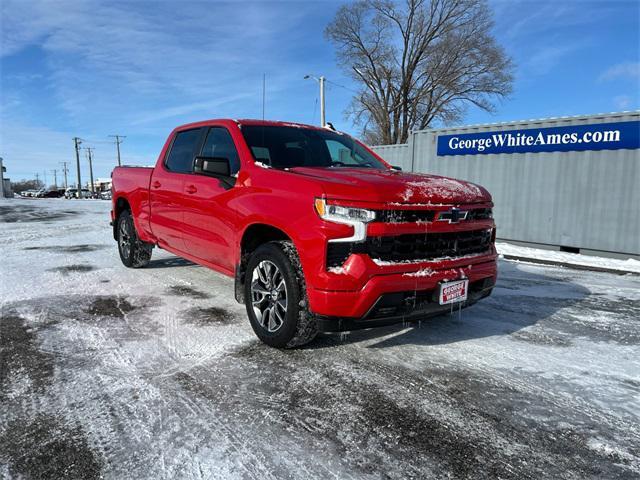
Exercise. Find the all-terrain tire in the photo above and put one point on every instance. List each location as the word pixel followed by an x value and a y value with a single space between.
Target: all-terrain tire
pixel 299 326
pixel 134 253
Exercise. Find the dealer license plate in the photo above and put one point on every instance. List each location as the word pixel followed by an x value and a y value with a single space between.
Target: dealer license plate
pixel 453 292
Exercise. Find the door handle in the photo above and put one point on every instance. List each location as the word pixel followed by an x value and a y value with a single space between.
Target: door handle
pixel 191 189
pixel 156 184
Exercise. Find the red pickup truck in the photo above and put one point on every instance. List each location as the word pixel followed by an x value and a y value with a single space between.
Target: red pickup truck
pixel 318 231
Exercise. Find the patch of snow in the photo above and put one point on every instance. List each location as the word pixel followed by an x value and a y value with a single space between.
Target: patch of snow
pixel 385 263
pixel 429 204
pixel 262 165
pixel 407 194
pixel 337 270
pixel 628 265
pixel 445 187
pixel 424 272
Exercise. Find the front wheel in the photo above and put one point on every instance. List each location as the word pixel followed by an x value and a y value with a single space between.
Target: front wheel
pixel 276 298
pixel 134 253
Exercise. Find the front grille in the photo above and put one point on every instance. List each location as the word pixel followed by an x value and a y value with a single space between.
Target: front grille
pixel 338 252
pixel 480 214
pixel 405 216
pixel 413 247
pixel 411 216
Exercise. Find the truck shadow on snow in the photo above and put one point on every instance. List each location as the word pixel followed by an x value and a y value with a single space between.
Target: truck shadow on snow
pixel 526 306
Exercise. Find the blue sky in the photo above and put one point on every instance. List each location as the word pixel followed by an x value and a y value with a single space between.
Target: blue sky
pixel 92 68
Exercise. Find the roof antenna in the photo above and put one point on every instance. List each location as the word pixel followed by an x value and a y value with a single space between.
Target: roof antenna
pixel 264 80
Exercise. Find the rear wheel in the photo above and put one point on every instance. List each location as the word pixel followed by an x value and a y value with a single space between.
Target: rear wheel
pixel 134 253
pixel 276 298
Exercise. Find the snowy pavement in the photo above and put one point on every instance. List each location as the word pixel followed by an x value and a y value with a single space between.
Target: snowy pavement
pixel 107 372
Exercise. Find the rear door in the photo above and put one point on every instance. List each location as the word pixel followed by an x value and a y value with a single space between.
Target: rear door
pixel 209 217
pixel 166 190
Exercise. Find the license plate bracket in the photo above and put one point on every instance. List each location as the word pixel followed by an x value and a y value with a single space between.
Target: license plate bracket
pixel 453 292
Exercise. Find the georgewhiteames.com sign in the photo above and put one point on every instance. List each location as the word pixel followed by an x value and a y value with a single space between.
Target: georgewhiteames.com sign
pixel 601 136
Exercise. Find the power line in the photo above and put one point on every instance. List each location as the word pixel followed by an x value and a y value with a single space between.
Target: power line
pixel 342 86
pixel 315 106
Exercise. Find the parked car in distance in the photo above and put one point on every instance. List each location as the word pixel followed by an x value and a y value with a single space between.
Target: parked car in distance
pixel 106 195
pixel 54 193
pixel 73 193
pixel 319 233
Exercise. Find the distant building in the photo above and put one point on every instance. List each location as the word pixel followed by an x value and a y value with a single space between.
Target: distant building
pixel 102 184
pixel 5 183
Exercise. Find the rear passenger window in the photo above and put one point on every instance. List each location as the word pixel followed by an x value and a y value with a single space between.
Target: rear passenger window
pixel 220 144
pixel 180 159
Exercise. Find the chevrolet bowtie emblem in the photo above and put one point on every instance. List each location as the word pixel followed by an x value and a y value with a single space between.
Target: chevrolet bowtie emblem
pixel 453 216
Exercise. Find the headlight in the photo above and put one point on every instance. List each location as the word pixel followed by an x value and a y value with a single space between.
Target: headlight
pixel 356 217
pixel 340 214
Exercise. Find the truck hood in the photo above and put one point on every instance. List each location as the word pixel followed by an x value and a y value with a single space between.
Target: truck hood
pixel 389 186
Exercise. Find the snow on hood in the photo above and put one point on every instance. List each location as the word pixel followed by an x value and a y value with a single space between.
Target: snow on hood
pixel 394 187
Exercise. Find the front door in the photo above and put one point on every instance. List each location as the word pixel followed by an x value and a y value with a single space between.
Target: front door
pixel 166 190
pixel 209 217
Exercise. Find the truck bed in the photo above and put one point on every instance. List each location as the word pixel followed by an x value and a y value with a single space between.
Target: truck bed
pixel 133 184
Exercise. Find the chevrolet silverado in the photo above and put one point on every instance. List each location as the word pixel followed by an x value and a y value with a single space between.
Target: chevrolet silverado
pixel 319 232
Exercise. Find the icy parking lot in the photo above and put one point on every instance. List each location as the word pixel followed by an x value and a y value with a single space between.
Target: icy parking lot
pixel 107 372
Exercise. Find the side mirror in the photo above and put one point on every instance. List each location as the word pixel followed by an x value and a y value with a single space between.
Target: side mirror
pixel 397 169
pixel 213 166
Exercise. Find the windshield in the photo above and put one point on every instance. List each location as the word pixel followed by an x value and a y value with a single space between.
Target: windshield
pixel 288 147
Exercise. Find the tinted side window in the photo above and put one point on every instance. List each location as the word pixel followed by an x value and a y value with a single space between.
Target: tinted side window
pixel 180 157
pixel 220 144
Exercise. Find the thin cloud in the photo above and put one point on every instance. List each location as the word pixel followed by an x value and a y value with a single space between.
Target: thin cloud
pixel 623 102
pixel 547 57
pixel 626 70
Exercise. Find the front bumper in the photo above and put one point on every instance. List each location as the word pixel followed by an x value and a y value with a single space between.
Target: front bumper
pixel 408 306
pixel 388 298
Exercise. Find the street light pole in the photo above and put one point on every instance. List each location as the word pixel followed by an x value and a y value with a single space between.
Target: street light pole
pixel 323 120
pixel 321 80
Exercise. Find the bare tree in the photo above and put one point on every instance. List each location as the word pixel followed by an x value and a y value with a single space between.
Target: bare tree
pixel 418 63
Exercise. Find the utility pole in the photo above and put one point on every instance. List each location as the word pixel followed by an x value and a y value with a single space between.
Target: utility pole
pixel 45 179
pixel 37 181
pixel 55 179
pixel 118 142
pixel 89 150
pixel 77 143
pixel 65 170
pixel 1 178
pixel 321 80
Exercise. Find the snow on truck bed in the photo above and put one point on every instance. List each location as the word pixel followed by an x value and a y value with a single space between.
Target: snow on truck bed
pixel 155 373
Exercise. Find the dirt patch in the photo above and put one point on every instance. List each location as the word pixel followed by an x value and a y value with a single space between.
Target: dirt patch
pixel 76 267
pixel 86 247
pixel 31 213
pixel 46 448
pixel 203 317
pixel 117 307
pixel 185 291
pixel 20 354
